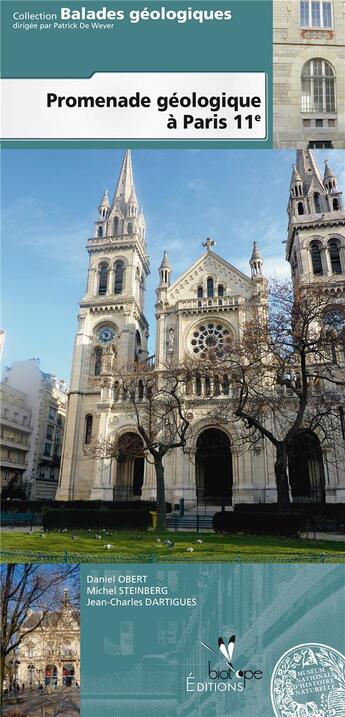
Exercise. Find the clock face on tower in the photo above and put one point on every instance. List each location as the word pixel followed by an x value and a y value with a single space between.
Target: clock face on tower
pixel 105 334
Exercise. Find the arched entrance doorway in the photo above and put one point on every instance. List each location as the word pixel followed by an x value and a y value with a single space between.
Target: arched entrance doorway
pixel 306 469
pixel 130 467
pixel 50 675
pixel 68 674
pixel 213 466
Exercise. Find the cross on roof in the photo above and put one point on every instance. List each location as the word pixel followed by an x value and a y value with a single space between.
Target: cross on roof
pixel 208 243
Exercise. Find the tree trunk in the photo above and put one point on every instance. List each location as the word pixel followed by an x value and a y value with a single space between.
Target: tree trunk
pixel 2 675
pixel 280 467
pixel 161 506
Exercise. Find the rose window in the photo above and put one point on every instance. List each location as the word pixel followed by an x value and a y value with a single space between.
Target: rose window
pixel 209 336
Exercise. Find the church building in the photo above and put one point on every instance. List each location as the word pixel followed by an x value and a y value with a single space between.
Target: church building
pixel 204 307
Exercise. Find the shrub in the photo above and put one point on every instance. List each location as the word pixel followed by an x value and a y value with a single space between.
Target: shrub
pixel 113 519
pixel 280 524
pixel 38 506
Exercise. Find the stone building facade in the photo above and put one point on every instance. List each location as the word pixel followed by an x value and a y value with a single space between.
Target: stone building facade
pixel 309 73
pixel 47 399
pixel 50 654
pixel 205 306
pixel 16 430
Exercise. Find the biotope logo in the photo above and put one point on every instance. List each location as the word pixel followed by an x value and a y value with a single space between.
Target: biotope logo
pixel 309 681
pixel 231 679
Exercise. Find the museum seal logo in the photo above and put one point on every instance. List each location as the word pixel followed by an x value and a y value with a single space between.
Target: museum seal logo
pixel 309 681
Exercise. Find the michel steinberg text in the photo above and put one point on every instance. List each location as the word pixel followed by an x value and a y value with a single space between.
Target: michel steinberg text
pixel 122 590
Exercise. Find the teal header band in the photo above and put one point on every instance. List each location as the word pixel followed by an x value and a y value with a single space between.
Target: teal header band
pixel 203 639
pixel 52 47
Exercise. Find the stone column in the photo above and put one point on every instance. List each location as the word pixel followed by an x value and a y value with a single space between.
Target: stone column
pixel 110 287
pixel 91 287
pixel 326 262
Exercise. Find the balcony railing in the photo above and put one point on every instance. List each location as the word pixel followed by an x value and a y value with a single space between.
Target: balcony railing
pixel 217 303
pixel 7 421
pixel 14 443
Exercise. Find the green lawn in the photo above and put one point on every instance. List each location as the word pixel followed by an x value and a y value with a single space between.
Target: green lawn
pixel 145 547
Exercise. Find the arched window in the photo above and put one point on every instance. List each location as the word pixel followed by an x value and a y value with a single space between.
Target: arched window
pixel 300 208
pixel 318 86
pixel 198 385
pixel 225 384
pixel 88 428
pixel 200 292
pixel 119 274
pixel 317 202
pixel 335 205
pixel 103 278
pixel 116 225
pixel 137 345
pixel 130 228
pixel 98 361
pixel 334 256
pixel 316 260
pixel 210 288
pixel 100 232
pixel 140 389
pixel 220 290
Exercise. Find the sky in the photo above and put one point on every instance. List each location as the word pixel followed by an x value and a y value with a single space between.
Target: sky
pixel 50 200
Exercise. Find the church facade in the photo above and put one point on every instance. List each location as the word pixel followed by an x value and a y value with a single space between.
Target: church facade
pixel 204 307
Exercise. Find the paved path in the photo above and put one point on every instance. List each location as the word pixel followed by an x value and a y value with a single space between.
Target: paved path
pixel 63 702
pixel 324 536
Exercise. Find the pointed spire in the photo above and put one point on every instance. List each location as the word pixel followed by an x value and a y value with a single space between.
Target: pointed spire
pixel 165 264
pixel 307 168
pixel 295 177
pixel 256 262
pixel 133 197
pixel 105 200
pixel 330 184
pixel 328 174
pixel 104 206
pixel 165 270
pixel 125 183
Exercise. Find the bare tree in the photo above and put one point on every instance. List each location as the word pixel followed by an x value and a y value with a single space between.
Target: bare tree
pixel 155 402
pixel 25 588
pixel 286 373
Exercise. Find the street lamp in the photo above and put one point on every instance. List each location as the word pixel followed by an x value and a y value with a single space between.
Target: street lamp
pixel 31 669
pixel 16 665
